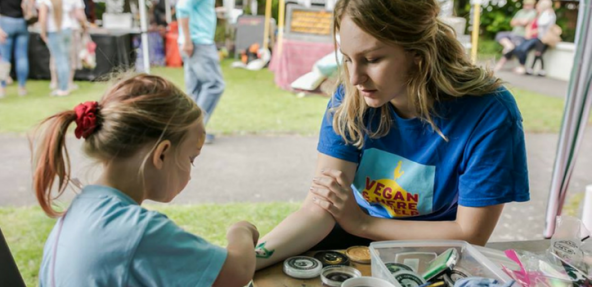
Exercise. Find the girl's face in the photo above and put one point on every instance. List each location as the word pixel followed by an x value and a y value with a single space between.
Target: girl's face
pixel 177 172
pixel 379 71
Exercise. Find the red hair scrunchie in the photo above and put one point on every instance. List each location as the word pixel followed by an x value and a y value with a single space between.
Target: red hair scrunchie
pixel 86 119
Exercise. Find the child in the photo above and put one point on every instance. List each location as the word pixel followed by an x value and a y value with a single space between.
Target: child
pixel 146 133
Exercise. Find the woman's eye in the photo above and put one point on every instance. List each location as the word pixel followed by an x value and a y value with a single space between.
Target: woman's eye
pixel 372 61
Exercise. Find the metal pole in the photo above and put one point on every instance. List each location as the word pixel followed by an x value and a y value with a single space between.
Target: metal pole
pixel 281 19
pixel 266 29
pixel 167 12
pixel 475 35
pixel 577 109
pixel 144 31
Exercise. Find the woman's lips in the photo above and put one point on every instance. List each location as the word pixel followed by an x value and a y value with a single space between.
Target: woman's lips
pixel 368 93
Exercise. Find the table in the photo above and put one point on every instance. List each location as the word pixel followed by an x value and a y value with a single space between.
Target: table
pixel 297 58
pixel 114 50
pixel 274 276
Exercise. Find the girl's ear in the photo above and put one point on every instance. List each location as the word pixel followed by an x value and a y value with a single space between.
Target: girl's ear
pixel 161 152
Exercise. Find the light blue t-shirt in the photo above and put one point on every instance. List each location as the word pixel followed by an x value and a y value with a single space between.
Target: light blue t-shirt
pixel 413 173
pixel 202 20
pixel 107 239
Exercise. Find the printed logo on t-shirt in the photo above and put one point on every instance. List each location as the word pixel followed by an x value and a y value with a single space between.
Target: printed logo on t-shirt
pixel 394 186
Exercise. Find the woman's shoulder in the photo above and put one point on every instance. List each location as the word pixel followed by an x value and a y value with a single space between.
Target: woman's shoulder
pixel 499 103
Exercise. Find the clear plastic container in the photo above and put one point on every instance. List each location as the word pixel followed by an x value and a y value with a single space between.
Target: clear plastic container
pixel 471 260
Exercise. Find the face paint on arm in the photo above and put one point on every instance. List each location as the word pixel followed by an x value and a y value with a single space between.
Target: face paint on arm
pixel 262 252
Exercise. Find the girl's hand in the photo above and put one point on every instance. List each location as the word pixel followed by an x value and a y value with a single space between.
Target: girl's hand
pixel 245 226
pixel 335 196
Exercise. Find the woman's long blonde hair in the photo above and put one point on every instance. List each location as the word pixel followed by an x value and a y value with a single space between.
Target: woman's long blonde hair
pixel 443 69
pixel 58 10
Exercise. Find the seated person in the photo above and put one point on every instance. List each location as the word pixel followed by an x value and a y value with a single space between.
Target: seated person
pixel 146 133
pixel 512 39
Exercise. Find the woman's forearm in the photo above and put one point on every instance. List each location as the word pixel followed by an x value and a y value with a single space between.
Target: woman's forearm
pixel 472 224
pixel 294 235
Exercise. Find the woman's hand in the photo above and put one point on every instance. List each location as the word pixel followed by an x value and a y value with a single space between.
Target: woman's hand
pixel 2 36
pixel 334 195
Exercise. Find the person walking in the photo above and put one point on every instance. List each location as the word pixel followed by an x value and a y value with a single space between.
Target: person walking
pixel 203 76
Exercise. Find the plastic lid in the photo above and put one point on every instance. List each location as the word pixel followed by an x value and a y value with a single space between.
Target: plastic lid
pixel 335 275
pixel 302 267
pixel 408 278
pixel 360 254
pixel 329 258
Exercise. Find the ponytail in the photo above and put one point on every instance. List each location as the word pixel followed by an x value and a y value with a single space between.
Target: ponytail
pixel 51 159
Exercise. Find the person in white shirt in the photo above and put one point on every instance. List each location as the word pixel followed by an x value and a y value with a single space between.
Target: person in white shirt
pixel 78 20
pixel 56 31
pixel 536 31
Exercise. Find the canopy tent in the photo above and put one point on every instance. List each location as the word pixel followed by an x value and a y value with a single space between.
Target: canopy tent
pixel 575 117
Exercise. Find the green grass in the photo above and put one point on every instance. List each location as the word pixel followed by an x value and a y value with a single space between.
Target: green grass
pixel 540 113
pixel 27 228
pixel 251 104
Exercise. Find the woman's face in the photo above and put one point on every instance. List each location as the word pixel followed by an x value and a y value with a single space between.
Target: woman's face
pixel 379 71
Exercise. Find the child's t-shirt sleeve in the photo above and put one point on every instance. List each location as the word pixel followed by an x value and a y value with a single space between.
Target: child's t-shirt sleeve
pixel 169 256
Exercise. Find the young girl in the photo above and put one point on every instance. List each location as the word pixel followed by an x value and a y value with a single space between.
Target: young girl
pixel 146 133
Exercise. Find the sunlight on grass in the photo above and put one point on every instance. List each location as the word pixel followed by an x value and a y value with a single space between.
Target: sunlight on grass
pixel 251 104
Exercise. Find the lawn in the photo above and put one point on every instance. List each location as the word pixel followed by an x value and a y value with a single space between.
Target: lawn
pixel 27 228
pixel 251 104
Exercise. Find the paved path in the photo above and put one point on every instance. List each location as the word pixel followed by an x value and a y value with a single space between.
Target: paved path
pixel 263 169
pixel 541 85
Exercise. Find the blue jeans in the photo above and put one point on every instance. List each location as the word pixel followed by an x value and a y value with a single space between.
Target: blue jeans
pixel 59 44
pixel 17 38
pixel 522 51
pixel 203 78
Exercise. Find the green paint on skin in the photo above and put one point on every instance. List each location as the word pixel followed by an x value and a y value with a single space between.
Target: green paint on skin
pixel 262 252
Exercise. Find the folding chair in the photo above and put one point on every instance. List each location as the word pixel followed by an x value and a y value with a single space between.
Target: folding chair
pixel 9 273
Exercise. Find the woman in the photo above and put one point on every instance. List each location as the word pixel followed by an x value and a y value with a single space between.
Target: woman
pixel 78 28
pixel 417 142
pixel 16 37
pixel 539 28
pixel 56 30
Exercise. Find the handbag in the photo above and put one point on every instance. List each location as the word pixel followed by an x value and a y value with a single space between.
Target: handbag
pixel 4 70
pixel 553 36
pixel 87 54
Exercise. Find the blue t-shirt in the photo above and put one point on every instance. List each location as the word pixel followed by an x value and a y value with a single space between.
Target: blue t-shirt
pixel 413 173
pixel 202 20
pixel 107 239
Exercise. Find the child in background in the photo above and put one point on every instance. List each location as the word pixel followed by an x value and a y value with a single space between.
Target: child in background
pixel 146 133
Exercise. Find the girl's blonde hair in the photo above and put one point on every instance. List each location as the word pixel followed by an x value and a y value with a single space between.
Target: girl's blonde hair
pixel 443 70
pixel 136 111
